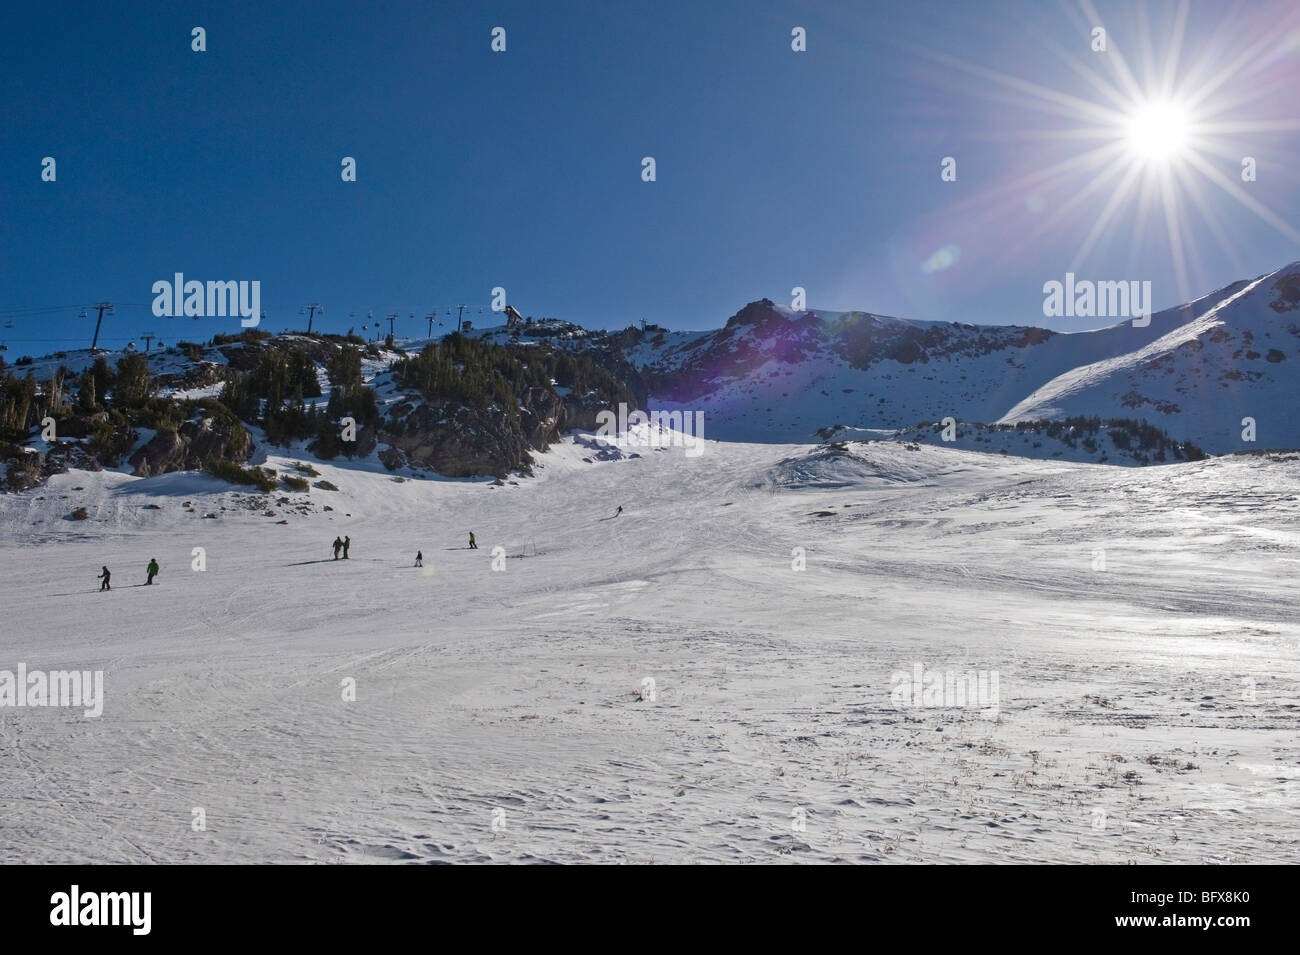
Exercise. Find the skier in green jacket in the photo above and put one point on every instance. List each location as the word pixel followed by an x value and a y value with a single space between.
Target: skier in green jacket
pixel 151 570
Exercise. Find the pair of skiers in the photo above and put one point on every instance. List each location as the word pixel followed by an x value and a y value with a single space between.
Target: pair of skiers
pixel 150 573
pixel 342 545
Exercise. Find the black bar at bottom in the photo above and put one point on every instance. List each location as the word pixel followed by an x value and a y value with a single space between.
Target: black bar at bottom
pixel 334 904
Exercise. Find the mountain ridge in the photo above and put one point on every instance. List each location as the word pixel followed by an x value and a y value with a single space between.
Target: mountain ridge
pixel 1206 376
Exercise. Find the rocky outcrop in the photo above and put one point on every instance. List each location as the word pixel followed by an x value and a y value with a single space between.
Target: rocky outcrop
pixel 26 468
pixel 457 441
pixel 862 339
pixel 204 374
pixel 1288 293
pixel 245 356
pixel 755 335
pixel 194 442
pixel 542 417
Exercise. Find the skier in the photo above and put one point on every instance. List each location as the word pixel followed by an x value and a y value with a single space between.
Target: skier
pixel 338 546
pixel 472 545
pixel 619 511
pixel 104 577
pixel 419 559
pixel 151 570
pixel 347 542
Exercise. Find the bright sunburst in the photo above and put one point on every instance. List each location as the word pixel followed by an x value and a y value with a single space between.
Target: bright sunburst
pixel 1159 131
pixel 1142 142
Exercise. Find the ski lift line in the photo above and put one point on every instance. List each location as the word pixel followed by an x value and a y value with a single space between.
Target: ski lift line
pixel 28 341
pixel 11 316
pixel 45 311
pixel 42 309
pixel 68 308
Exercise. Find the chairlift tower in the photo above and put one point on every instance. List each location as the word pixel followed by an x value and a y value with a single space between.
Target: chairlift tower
pixel 460 310
pixel 310 311
pixel 101 307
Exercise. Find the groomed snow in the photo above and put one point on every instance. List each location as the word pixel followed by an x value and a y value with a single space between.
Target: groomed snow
pixel 502 715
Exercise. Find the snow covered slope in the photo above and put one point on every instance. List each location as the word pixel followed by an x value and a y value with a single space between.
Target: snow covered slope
pixel 1239 359
pixel 667 685
pixel 773 374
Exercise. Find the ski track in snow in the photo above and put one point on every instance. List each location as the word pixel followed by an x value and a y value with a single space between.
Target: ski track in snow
pixel 521 690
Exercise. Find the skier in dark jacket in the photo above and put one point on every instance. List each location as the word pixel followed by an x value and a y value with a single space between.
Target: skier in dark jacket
pixel 347 542
pixel 151 570
pixel 472 545
pixel 419 558
pixel 338 546
pixel 104 577
pixel 619 511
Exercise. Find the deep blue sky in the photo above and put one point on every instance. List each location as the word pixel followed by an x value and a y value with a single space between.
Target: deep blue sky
pixel 522 169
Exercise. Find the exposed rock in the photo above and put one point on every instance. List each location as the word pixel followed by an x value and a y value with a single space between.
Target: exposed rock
pixel 1288 289
pixel 24 469
pixel 458 441
pixel 203 374
pixel 544 416
pixel 191 445
pixel 164 452
pixel 30 468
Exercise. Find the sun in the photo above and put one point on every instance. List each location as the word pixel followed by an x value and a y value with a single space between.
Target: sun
pixel 1145 145
pixel 1159 131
